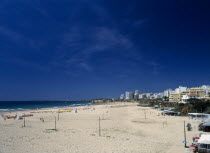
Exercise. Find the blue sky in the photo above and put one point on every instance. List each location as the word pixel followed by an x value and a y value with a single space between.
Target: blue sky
pixel 81 49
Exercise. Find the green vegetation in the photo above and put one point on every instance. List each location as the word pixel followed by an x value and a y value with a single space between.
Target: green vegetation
pixel 165 98
pixel 200 106
pixel 193 105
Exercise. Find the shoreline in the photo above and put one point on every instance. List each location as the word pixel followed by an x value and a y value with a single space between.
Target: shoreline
pixel 54 107
pixel 62 107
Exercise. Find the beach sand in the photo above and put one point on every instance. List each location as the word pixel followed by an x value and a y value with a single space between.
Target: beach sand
pixel 124 129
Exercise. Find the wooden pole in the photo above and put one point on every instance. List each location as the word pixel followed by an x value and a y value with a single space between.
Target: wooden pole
pixel 55 122
pixel 24 122
pixel 99 124
pixel 185 144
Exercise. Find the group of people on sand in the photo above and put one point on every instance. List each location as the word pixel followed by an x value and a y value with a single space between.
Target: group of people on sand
pixel 16 116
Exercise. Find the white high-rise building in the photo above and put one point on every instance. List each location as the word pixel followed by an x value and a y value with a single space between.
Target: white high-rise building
pixel 136 91
pixel 129 95
pixel 136 94
pixel 167 92
pixel 206 89
pixel 122 96
pixel 180 89
pixel 160 95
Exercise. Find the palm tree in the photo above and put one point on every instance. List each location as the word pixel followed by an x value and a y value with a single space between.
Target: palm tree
pixel 165 98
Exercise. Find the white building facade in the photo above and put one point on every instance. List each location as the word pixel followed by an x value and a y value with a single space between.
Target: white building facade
pixel 180 89
pixel 142 96
pixel 167 92
pixel 122 96
pixel 206 89
pixel 136 94
pixel 129 95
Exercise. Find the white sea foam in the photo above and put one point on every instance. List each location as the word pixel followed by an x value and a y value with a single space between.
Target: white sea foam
pixel 7 110
pixel 4 110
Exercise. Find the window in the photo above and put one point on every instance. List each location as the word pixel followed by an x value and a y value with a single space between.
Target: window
pixel 203 146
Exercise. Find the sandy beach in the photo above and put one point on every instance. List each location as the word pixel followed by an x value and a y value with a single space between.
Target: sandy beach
pixel 124 129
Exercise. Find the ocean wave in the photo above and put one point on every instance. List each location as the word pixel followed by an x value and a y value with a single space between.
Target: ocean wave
pixel 77 104
pixel 38 105
pixel 4 110
pixel 8 110
pixel 20 109
pixel 55 107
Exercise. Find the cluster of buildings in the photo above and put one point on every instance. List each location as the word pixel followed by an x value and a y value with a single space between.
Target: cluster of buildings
pixel 184 93
pixel 137 95
pixel 179 94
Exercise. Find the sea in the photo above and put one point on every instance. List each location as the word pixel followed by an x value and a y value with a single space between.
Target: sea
pixel 31 105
